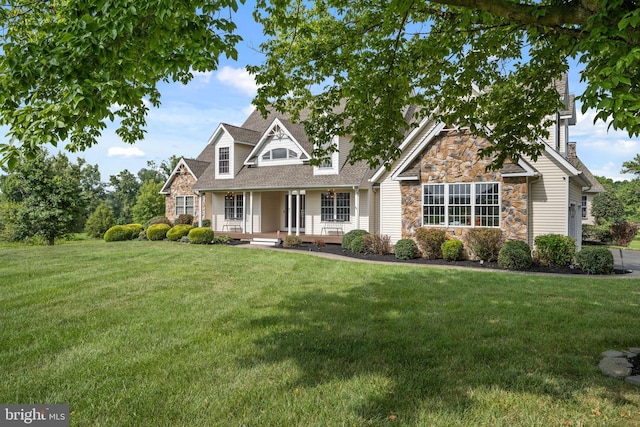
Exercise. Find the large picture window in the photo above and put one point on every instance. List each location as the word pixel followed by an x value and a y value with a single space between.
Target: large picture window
pixel 233 206
pixel 335 206
pixel 461 205
pixel 184 205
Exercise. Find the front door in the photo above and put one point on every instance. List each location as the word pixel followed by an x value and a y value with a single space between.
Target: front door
pixel 296 220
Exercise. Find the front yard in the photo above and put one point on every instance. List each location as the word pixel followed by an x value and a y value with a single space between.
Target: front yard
pixel 157 333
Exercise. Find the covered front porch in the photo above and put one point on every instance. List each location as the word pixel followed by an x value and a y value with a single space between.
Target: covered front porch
pixel 306 238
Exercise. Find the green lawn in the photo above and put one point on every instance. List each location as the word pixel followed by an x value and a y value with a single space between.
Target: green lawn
pixel 168 334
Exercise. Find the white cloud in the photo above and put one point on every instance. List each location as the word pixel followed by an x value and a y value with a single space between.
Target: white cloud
pixel 125 152
pixel 238 78
pixel 202 76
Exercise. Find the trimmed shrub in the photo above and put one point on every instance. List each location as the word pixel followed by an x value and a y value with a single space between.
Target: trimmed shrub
pixel 319 243
pixel 222 239
pixel 158 231
pixel 206 223
pixel 452 249
pixel 596 233
pixel 178 232
pixel 134 230
pixel 118 233
pixel 201 235
pixel 350 235
pixel 623 232
pixel 430 242
pixel 376 244
pixel 358 246
pixel 595 260
pixel 515 255
pixel 185 219
pixel 406 249
pixel 292 242
pixel 555 249
pixel 485 243
pixel 158 220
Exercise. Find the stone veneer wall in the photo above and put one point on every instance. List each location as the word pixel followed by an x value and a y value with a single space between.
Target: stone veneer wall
pixel 453 157
pixel 181 186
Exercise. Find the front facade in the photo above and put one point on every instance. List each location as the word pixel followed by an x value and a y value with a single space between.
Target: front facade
pixel 257 178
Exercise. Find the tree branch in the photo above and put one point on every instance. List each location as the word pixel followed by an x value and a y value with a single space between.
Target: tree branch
pixel 575 12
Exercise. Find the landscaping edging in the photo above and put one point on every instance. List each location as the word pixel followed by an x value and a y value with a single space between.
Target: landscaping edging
pixel 622 364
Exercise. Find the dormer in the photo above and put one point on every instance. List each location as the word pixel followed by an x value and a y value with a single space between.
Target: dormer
pixel 277 147
pixel 331 165
pixel 231 146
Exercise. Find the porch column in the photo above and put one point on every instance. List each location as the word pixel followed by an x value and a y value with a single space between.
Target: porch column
pixel 213 217
pixel 244 212
pixel 289 213
pixel 251 212
pixel 357 206
pixel 297 213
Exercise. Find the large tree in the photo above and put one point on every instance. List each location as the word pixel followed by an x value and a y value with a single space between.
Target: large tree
pixel 70 66
pixel 488 65
pixel 46 194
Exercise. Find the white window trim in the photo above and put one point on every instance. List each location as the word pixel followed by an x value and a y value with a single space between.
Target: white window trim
pixel 473 205
pixel 335 207
pixel 229 160
pixel 184 204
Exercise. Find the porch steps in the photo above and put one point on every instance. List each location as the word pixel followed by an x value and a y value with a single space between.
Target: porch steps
pixel 264 241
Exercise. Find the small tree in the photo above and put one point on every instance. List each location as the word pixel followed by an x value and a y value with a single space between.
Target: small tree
pixel 607 207
pixel 99 221
pixel 150 203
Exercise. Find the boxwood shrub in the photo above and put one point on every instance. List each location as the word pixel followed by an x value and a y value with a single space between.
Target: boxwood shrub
pixel 158 231
pixel 178 232
pixel 358 244
pixel 350 235
pixel 595 260
pixel 515 255
pixel 201 235
pixel 452 249
pixel 292 242
pixel 117 233
pixel 134 230
pixel 406 249
pixel 555 249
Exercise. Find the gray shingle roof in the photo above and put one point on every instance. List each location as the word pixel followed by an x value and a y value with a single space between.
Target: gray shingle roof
pixel 285 177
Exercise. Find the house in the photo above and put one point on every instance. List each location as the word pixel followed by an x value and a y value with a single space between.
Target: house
pixel 257 178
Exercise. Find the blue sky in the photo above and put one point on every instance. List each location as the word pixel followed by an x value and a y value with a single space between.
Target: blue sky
pixel 189 114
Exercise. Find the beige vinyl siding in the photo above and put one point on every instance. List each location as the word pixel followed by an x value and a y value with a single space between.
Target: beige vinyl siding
pixel 549 199
pixel 391 210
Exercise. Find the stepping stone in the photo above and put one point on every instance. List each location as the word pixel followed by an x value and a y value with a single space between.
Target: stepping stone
pixel 616 367
pixel 634 380
pixel 613 353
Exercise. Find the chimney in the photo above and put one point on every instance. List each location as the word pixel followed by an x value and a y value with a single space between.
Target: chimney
pixel 571 151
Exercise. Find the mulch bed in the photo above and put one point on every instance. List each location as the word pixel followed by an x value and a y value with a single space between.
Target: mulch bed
pixel 337 250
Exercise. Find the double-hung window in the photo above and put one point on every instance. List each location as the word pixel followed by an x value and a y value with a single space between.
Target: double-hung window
pixel 184 205
pixel 223 160
pixel 461 204
pixel 584 207
pixel 335 206
pixel 233 206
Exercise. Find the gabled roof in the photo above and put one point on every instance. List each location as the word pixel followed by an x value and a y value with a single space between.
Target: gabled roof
pixel 594 185
pixel 294 132
pixel 195 167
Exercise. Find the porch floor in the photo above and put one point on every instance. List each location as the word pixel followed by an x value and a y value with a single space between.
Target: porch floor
pixel 306 238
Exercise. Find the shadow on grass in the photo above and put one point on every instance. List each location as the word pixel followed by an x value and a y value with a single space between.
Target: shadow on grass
pixel 434 347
